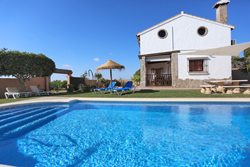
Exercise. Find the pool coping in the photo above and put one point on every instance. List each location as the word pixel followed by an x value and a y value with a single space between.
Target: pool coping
pixel 72 99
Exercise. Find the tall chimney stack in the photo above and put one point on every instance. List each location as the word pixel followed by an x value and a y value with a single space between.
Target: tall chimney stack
pixel 221 11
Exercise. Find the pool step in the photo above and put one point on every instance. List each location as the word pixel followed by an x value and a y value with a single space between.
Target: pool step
pixel 4 111
pixel 12 125
pixel 34 124
pixel 23 115
pixel 16 112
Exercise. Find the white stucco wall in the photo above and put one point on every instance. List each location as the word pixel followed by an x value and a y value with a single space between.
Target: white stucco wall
pixel 183 32
pixel 182 35
pixel 219 67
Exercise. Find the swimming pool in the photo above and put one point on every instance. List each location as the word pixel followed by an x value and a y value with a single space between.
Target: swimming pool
pixel 126 134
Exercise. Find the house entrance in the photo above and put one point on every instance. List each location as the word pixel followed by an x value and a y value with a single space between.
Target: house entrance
pixel 159 74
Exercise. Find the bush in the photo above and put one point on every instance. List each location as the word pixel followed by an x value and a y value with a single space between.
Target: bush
pixel 117 83
pixel 92 85
pixel 70 88
pixel 84 88
pixel 87 88
pixel 103 81
pixel 123 83
pixel 64 84
pixel 56 85
pixel 136 77
pixel 81 87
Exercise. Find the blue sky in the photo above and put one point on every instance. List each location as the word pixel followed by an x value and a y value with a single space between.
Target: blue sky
pixel 77 33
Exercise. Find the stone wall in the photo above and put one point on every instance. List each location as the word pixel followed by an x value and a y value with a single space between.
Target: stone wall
pixel 221 14
pixel 174 69
pixel 193 83
pixel 143 71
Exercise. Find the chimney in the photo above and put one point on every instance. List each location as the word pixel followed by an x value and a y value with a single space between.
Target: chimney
pixel 221 11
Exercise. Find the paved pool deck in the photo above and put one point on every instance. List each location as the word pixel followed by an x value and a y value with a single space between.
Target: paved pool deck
pixel 68 99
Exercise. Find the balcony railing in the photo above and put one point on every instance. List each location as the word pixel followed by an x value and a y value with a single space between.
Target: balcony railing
pixel 159 79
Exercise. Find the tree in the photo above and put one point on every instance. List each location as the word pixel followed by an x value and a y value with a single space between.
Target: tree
pixel 64 84
pixel 137 76
pixel 98 77
pixel 56 85
pixel 24 65
pixel 247 52
pixel 103 81
pixel 243 63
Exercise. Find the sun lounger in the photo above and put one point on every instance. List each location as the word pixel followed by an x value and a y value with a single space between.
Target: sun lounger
pixel 35 90
pixel 128 86
pixel 13 91
pixel 105 89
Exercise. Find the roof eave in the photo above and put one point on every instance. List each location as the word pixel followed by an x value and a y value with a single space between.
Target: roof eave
pixel 183 14
pixel 158 54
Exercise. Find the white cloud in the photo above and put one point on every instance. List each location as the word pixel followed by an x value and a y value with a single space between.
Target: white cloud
pixel 66 65
pixel 96 59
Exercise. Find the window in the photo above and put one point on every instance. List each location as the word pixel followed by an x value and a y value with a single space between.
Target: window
pixel 202 31
pixel 195 65
pixel 162 34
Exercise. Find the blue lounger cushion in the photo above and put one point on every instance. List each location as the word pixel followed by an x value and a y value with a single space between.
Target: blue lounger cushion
pixel 128 86
pixel 108 88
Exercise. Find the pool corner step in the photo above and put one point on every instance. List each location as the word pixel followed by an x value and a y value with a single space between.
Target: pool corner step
pixel 12 125
pixel 23 115
pixel 34 124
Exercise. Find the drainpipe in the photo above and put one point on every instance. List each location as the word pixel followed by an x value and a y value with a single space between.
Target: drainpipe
pixel 172 41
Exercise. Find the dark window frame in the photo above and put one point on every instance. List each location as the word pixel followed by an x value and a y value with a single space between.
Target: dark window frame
pixel 166 34
pixel 205 33
pixel 197 68
pixel 196 65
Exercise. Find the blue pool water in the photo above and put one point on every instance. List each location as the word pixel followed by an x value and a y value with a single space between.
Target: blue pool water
pixel 126 134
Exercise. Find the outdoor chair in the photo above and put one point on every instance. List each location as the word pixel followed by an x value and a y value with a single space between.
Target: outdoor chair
pixel 128 86
pixel 35 90
pixel 13 91
pixel 105 89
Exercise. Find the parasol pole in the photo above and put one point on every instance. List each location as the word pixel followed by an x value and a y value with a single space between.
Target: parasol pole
pixel 111 80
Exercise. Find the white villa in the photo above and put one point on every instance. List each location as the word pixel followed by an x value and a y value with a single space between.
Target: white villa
pixel 161 44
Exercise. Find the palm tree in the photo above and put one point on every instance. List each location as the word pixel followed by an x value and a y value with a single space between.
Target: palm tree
pixel 98 76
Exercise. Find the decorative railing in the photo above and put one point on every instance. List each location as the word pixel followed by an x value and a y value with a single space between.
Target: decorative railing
pixel 159 80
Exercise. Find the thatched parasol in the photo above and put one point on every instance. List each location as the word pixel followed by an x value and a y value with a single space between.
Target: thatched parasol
pixel 110 65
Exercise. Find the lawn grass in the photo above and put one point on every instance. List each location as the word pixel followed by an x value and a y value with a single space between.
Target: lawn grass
pixel 9 100
pixel 154 94
pixel 139 94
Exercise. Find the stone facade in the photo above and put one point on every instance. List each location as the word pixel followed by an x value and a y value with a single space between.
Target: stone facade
pixel 143 71
pixel 221 14
pixel 174 68
pixel 193 83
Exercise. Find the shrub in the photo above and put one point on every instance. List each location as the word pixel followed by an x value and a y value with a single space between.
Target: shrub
pixel 123 83
pixel 81 87
pixel 64 84
pixel 56 85
pixel 84 88
pixel 87 88
pixel 92 85
pixel 136 77
pixel 70 88
pixel 117 83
